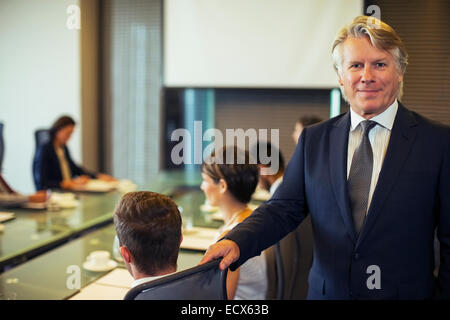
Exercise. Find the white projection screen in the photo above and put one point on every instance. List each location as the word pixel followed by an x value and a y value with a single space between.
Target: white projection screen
pixel 253 43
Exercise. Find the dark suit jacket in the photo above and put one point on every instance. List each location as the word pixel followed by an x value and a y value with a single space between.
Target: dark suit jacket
pixel 47 171
pixel 411 198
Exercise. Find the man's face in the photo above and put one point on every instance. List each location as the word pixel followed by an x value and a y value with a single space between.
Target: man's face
pixel 369 76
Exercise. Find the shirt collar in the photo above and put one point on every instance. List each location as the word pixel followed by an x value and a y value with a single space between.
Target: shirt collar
pixel 143 280
pixel 275 185
pixel 385 119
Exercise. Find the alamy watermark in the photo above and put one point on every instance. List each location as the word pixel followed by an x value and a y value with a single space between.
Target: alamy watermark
pixel 73 281
pixel 189 149
pixel 374 280
pixel 73 21
pixel 375 12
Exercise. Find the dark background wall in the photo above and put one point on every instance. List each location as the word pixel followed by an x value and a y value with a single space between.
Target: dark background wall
pixel 424 28
pixel 136 107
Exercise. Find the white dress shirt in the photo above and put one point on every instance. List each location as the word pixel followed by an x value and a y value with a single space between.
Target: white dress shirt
pixel 253 282
pixel 379 140
pixel 275 185
pixel 65 169
pixel 144 280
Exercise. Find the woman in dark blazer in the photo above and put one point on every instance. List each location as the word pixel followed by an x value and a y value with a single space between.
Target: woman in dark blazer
pixel 53 165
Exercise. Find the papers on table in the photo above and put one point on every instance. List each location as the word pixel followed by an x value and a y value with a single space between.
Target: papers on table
pixel 64 200
pixel 197 238
pixel 97 185
pixel 112 286
pixel 261 194
pixel 6 216
pixel 119 277
pixel 206 207
pixel 96 291
pixel 219 217
pixel 125 186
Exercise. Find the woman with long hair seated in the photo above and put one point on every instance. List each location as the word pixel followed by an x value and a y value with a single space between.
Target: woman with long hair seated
pixel 53 165
pixel 230 187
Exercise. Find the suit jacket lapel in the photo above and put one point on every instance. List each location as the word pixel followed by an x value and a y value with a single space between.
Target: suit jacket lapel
pixel 338 170
pixel 401 140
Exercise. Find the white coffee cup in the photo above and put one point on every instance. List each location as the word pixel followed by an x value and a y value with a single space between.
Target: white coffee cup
pixel 99 258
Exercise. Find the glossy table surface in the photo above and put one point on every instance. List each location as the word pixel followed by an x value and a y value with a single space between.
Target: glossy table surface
pixel 58 239
pixel 34 231
pixel 46 277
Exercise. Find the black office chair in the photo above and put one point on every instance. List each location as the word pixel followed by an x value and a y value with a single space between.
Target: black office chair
pixel 41 137
pixel 279 268
pixel 2 146
pixel 204 282
pixel 302 262
pixel 288 278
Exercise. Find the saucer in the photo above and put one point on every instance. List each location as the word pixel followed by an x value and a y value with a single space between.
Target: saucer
pixel 68 204
pixel 109 266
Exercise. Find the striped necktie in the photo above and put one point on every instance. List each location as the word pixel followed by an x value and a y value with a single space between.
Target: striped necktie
pixel 360 176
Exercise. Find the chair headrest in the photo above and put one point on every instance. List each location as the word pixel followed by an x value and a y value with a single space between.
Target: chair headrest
pixel 203 282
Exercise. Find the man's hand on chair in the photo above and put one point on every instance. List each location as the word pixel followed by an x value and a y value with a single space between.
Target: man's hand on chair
pixel 227 249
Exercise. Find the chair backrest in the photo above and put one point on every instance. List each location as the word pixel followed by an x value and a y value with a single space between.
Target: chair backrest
pixel 279 268
pixel 41 136
pixel 203 282
pixel 297 256
pixel 2 146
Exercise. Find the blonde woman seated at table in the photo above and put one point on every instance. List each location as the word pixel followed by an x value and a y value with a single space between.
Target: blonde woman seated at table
pixel 230 187
pixel 54 165
pixel 148 225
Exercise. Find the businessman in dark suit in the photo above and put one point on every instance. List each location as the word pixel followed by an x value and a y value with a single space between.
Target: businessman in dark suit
pixel 375 180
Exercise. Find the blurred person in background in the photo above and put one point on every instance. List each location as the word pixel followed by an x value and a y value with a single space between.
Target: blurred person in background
pixel 230 187
pixel 54 165
pixel 302 123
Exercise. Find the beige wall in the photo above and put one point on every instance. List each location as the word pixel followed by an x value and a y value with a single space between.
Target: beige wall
pixel 39 79
pixel 89 82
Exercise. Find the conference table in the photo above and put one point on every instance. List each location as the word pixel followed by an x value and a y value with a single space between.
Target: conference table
pixel 38 246
pixel 35 231
pixel 46 277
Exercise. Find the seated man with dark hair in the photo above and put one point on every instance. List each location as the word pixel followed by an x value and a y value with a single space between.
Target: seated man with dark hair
pixel 148 226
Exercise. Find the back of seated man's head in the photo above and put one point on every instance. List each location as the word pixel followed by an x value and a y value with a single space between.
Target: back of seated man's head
pixel 148 226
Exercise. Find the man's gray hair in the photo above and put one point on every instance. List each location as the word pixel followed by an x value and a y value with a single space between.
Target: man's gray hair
pixel 382 37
